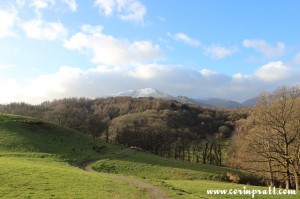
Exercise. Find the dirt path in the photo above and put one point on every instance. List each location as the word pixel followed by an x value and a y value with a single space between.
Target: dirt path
pixel 155 192
pixel 87 166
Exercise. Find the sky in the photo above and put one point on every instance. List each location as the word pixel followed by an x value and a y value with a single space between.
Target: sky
pixel 52 49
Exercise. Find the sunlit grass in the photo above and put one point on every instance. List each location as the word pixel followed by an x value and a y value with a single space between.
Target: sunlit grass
pixel 44 178
pixel 178 179
pixel 29 136
pixel 35 159
pixel 148 166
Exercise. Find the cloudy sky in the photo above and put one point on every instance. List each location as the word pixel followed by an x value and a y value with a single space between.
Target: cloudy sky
pixel 198 48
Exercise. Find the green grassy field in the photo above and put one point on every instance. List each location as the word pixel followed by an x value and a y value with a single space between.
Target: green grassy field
pixel 23 136
pixel 148 166
pixel 44 178
pixel 178 179
pixel 41 160
pixel 36 158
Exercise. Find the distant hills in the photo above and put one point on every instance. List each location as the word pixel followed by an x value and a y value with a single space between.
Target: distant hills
pixel 211 102
pixel 223 103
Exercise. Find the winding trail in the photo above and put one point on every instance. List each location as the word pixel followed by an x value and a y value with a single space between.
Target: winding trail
pixel 155 192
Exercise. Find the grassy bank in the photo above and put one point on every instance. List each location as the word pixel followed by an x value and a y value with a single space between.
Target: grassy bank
pixel 36 162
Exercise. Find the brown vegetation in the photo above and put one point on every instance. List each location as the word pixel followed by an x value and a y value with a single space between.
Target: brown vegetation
pixel 268 141
pixel 167 128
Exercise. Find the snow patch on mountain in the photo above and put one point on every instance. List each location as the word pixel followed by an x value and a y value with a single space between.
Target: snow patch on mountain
pixel 145 92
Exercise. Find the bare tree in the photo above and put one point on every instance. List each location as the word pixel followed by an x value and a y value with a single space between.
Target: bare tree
pixel 272 137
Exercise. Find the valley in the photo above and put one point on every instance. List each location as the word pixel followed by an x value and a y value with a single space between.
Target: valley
pixel 42 160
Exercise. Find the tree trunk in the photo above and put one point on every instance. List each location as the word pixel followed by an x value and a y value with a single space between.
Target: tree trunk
pixel 183 151
pixel 296 176
pixel 204 153
pixel 288 177
pixel 189 153
pixel 210 152
pixel 271 173
pixel 107 135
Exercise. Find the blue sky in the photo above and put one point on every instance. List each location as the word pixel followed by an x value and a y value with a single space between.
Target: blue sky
pixel 229 49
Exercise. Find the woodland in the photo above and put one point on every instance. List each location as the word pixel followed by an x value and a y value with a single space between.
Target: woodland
pixel 264 140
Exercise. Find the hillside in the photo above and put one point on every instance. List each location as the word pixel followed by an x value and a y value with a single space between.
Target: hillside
pixel 164 127
pixel 32 137
pixel 35 159
pixel 46 178
pixel 181 180
pixel 148 166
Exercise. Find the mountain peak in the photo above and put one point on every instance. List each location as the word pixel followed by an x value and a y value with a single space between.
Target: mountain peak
pixel 145 92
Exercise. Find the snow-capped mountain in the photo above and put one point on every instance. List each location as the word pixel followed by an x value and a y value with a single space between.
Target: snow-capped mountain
pixel 211 102
pixel 146 92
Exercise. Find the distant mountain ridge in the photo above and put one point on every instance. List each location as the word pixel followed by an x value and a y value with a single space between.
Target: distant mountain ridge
pixel 145 92
pixel 250 102
pixel 220 103
pixel 211 102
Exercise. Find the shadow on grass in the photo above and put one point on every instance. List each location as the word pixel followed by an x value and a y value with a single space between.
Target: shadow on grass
pixel 32 137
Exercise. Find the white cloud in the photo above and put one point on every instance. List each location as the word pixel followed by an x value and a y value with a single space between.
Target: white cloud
pixel 52 84
pixel 132 11
pixel 38 29
pixel 72 4
pixel 5 66
pixel 219 52
pixel 11 90
pixel 106 6
pixel 39 5
pixel 111 51
pixel 106 69
pixel 176 80
pixel 127 10
pixel 148 72
pixel 239 77
pixel 273 71
pixel 21 2
pixel 185 38
pixel 208 73
pixel 44 87
pixel 7 21
pixel 264 48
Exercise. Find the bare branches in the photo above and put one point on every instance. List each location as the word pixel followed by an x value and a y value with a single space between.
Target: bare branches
pixel 273 135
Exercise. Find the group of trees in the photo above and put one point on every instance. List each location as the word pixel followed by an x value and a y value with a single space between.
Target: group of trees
pixel 194 135
pixel 91 117
pixel 164 127
pixel 268 141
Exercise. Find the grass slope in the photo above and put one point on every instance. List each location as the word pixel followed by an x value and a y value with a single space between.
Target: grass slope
pixel 24 136
pixel 148 166
pixel 178 179
pixel 36 162
pixel 35 159
pixel 40 178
